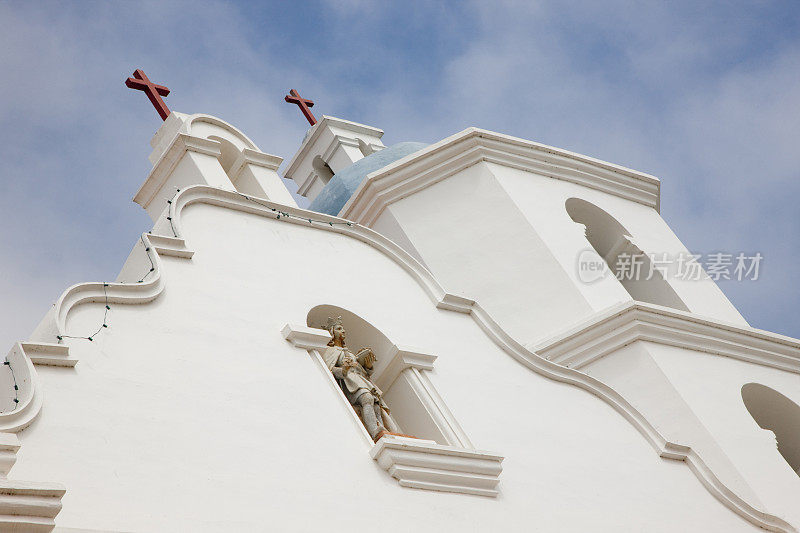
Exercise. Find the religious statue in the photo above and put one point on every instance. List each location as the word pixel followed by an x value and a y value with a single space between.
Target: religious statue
pixel 352 372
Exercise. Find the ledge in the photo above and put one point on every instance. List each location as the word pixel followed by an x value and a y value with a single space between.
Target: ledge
pixel 173 246
pixel 48 354
pixel 27 506
pixel 423 464
pixel 252 157
pixel 306 337
pixel 621 325
pixel 439 161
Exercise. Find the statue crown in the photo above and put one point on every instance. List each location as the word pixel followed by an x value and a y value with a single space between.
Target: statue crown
pixel 332 323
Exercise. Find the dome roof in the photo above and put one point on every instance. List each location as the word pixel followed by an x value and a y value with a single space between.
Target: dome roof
pixel 343 184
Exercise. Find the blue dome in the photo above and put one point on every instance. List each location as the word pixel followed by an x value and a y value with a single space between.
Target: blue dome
pixel 341 187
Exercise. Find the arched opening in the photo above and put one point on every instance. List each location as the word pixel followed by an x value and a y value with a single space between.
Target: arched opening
pixel 613 243
pixel 229 153
pixel 322 169
pixel 360 333
pixel 773 411
pixel 415 407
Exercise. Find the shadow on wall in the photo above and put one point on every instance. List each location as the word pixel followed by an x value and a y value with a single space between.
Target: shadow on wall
pixel 773 411
pixel 614 244
pixel 360 333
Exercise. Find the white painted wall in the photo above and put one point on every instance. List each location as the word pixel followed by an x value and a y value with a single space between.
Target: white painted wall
pixel 502 235
pixel 192 413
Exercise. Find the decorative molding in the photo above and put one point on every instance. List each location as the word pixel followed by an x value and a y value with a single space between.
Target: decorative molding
pixel 402 359
pixel 453 154
pixel 29 393
pixel 48 354
pixel 25 506
pixel 316 130
pixel 9 446
pixel 307 183
pixel 172 246
pixel 29 507
pixel 163 168
pixel 337 141
pixel 253 157
pixel 423 464
pixel 139 293
pixel 305 337
pixel 621 325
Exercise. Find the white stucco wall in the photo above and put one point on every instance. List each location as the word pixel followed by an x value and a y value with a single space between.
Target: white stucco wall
pixel 502 235
pixel 543 199
pixel 193 413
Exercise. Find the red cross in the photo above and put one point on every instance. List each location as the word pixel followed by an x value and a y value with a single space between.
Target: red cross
pixel 154 92
pixel 294 98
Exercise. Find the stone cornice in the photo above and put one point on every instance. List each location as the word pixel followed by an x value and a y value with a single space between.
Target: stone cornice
pixel 453 154
pixel 149 290
pixel 181 144
pixel 621 325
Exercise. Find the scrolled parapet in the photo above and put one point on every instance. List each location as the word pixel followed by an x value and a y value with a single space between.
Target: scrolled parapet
pixel 20 395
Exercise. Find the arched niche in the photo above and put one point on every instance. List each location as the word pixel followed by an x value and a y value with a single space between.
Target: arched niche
pixel 439 457
pixel 773 411
pixel 611 240
pixel 401 373
pixel 360 333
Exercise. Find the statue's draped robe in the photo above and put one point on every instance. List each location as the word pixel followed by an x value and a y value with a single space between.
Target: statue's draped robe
pixel 357 380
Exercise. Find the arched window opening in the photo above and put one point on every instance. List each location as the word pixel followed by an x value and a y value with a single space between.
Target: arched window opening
pixel 773 411
pixel 613 243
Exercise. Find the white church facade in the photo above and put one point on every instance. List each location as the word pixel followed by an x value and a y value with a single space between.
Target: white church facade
pixel 204 388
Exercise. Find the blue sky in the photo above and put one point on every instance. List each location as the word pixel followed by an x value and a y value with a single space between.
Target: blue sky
pixel 704 95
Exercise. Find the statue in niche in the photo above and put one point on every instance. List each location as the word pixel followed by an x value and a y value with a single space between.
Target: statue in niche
pixel 352 372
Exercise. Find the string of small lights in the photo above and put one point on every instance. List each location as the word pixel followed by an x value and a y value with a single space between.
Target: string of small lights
pixel 278 215
pixel 171 225
pixel 152 265
pixel 284 214
pixel 103 326
pixel 13 377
